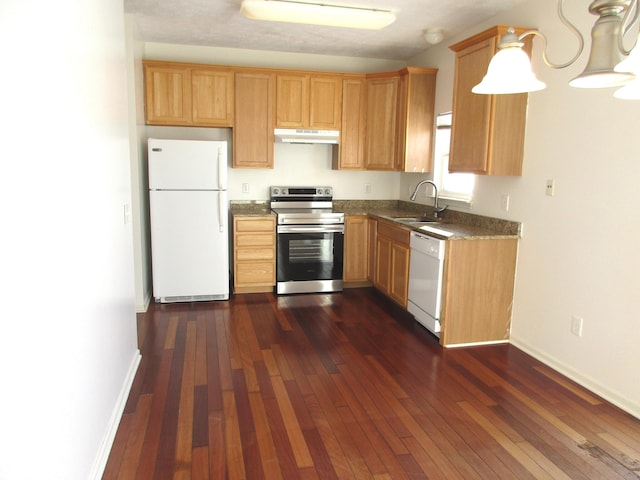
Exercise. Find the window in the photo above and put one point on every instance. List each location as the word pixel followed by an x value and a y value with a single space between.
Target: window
pixel 451 186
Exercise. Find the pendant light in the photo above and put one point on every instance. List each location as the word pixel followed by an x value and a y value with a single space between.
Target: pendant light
pixel 509 70
pixel 512 71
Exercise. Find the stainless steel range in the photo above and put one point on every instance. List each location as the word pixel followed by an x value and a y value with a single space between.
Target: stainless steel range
pixel 310 240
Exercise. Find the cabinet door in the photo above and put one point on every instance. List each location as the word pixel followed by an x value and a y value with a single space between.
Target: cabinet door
pixel 382 277
pixel 212 97
pixel 471 112
pixel 356 249
pixel 380 145
pixel 168 94
pixel 352 134
pixel 399 281
pixel 479 278
pixel 372 232
pixel 292 101
pixel 325 102
pixel 254 254
pixel 254 119
pixel 487 134
pixel 416 120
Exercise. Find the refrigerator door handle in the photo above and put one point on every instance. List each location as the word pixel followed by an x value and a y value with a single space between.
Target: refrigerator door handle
pixel 222 170
pixel 222 212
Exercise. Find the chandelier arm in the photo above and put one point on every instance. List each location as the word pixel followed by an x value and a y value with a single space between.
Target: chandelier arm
pixel 628 25
pixel 571 27
pixel 575 31
pixel 548 62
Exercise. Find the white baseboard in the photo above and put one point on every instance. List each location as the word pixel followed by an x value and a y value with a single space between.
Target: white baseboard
pixel 587 382
pixel 142 308
pixel 102 456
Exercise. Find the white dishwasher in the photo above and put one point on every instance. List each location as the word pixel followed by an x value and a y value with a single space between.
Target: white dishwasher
pixel 425 280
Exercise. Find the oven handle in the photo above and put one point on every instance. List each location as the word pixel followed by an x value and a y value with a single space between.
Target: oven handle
pixel 311 229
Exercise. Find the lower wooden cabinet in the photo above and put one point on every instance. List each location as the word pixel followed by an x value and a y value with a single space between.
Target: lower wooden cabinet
pixel 356 250
pixel 392 256
pixel 254 254
pixel 478 286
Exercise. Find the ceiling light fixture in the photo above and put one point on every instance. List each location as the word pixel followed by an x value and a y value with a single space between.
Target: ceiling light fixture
pixel 433 36
pixel 510 69
pixel 332 15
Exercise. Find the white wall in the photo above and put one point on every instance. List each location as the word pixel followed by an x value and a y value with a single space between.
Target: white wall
pixel 579 254
pixel 68 323
pixel 138 155
pixel 311 165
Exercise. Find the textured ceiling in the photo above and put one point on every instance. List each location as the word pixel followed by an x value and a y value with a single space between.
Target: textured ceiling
pixel 219 23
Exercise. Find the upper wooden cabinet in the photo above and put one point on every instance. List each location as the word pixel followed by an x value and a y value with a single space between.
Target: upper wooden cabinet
pixel 188 94
pixel 254 124
pixel 382 118
pixel 168 94
pixel 487 134
pixel 349 155
pixel 416 100
pixel 212 97
pixel 400 120
pixel 308 101
pixel 385 119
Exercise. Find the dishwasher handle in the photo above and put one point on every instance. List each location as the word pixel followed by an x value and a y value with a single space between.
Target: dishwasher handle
pixel 433 247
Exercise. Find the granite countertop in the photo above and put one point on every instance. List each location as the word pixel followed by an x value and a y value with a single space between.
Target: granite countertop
pixel 453 225
pixel 450 230
pixel 251 209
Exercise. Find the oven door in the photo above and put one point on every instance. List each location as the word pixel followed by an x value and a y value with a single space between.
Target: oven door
pixel 309 258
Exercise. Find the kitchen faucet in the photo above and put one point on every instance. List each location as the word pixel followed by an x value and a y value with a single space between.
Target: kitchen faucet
pixel 438 211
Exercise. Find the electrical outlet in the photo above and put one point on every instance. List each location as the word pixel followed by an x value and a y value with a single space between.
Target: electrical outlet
pixel 576 325
pixel 245 188
pixel 367 188
pixel 551 186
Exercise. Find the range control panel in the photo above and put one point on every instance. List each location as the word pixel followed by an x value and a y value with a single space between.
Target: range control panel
pixel 316 193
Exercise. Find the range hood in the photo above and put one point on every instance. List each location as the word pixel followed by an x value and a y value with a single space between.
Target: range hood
pixel 291 135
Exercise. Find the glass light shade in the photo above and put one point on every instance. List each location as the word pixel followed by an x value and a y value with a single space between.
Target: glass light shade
pixel 631 91
pixel 632 62
pixel 317 14
pixel 509 72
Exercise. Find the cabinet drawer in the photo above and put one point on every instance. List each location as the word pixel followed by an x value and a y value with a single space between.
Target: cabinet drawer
pixel 255 225
pixel 255 240
pixel 255 273
pixel 397 234
pixel 244 254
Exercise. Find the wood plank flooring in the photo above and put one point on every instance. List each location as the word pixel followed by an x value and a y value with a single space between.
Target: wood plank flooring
pixel 347 385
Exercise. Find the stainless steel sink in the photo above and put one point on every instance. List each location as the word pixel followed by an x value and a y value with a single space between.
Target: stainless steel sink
pixel 415 221
pixel 421 223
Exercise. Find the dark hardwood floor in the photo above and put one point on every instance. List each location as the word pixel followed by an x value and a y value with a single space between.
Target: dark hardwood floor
pixel 346 385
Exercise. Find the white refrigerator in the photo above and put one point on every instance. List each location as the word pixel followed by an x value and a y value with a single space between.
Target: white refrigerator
pixel 189 220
